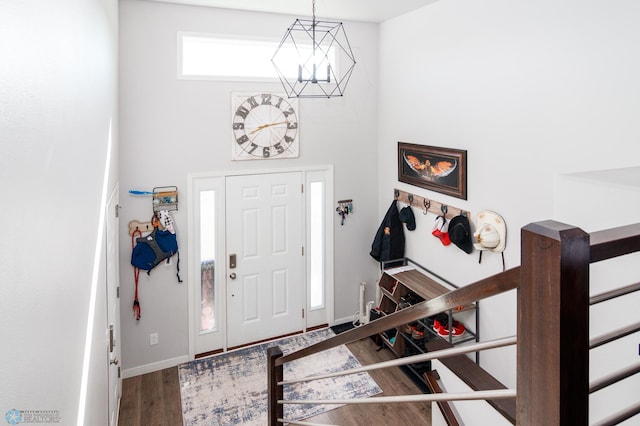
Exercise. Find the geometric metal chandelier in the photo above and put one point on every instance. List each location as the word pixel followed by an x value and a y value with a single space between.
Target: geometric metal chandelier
pixel 322 54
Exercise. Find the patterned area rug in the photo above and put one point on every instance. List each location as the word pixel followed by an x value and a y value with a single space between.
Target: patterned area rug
pixel 231 388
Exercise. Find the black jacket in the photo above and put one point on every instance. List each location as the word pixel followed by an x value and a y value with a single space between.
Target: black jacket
pixel 388 243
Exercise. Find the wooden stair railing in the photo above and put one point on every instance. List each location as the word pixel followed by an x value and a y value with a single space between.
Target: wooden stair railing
pixel 553 323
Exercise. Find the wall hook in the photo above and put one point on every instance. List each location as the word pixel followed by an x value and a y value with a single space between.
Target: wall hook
pixel 427 204
pixel 396 194
pixel 410 199
pixel 444 209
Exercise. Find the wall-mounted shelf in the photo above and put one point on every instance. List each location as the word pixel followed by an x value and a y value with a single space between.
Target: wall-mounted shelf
pixel 165 198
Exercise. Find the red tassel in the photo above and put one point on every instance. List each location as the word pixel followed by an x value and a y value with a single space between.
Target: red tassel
pixel 136 309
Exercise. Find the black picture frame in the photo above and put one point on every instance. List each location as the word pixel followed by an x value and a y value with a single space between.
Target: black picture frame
pixel 434 168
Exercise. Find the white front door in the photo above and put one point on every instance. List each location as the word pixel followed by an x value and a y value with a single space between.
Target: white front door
pixel 113 308
pixel 264 261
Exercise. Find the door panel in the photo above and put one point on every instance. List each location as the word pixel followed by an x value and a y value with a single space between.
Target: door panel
pixel 280 292
pixel 250 291
pixel 265 290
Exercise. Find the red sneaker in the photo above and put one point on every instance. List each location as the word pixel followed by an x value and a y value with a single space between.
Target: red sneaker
pixel 418 334
pixel 457 330
pixel 410 328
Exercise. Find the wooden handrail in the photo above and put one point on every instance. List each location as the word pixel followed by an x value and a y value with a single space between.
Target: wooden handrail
pixel 479 290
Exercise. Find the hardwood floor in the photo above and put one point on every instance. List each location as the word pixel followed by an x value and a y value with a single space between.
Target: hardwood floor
pixel 154 399
pixel 151 399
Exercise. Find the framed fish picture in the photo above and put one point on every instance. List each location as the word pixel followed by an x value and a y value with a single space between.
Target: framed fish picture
pixel 435 168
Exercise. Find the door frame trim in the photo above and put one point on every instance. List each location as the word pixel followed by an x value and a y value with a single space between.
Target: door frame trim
pixel 220 272
pixel 112 208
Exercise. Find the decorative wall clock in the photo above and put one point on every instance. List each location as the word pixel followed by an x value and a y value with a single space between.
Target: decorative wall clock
pixel 264 125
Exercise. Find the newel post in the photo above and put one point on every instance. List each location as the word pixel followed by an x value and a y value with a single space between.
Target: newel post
pixel 553 326
pixel 274 392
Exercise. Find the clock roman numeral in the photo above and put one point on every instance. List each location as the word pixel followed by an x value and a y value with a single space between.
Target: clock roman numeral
pixel 266 99
pixel 242 112
pixel 288 112
pixel 252 102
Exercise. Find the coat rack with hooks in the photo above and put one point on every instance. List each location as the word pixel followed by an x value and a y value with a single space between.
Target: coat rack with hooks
pixel 427 205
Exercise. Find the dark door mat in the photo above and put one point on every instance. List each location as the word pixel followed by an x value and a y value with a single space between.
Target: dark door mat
pixel 341 328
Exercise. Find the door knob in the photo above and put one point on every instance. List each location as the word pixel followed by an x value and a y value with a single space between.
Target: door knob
pixel 232 276
pixel 114 361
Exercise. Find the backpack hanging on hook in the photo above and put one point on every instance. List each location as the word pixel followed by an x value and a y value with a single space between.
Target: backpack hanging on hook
pixel 154 248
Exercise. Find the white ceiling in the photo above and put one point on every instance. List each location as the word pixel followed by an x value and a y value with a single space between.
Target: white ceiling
pixel 348 10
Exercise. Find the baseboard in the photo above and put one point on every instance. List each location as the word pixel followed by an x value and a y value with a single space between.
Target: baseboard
pixel 150 368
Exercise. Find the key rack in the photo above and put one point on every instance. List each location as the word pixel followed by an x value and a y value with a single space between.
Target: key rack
pixel 344 208
pixel 428 205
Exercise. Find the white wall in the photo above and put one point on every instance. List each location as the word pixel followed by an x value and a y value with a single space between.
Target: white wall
pixel 530 90
pixel 58 83
pixel 171 128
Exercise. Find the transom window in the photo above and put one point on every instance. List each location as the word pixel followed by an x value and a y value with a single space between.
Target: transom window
pixel 214 57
